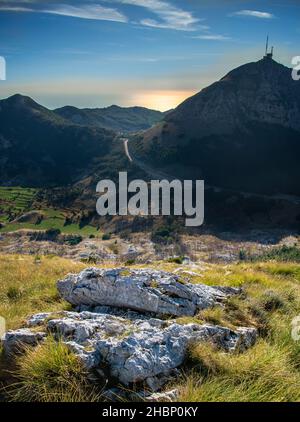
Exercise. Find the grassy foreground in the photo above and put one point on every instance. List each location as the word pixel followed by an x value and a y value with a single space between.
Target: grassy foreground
pixel 270 371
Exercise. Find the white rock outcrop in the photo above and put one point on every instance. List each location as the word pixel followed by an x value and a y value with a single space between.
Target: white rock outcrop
pixel 130 351
pixel 123 339
pixel 151 291
pixel 15 341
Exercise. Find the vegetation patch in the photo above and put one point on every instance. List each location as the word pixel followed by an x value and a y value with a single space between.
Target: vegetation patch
pixel 51 373
pixel 28 285
pixel 51 219
pixel 14 200
pixel 281 254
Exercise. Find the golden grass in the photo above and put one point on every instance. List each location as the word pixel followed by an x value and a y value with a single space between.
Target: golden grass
pixel 28 285
pixel 51 373
pixel 263 374
pixel 270 371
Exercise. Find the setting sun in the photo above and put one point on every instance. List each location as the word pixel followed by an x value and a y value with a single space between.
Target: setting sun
pixel 161 100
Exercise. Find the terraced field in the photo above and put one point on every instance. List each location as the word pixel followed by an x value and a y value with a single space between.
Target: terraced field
pixel 15 200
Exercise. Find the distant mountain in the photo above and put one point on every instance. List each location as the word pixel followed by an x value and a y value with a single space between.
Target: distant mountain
pixel 40 148
pixel 119 119
pixel 242 132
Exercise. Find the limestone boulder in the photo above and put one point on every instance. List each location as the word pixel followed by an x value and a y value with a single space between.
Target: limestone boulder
pixel 150 291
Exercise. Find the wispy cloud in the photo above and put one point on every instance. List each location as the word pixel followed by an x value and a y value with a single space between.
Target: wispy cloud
pixel 169 16
pixel 253 14
pixel 165 14
pixel 212 37
pixel 90 11
pixel 15 9
pixel 93 11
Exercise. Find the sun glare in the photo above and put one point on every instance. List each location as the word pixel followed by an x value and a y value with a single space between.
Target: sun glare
pixel 161 100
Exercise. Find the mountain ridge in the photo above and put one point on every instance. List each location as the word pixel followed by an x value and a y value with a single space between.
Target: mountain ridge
pixel 40 148
pixel 120 119
pixel 242 132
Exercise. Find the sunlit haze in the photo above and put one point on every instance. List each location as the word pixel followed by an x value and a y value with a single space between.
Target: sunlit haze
pixel 151 53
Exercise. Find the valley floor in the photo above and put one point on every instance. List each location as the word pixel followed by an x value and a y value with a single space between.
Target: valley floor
pixel 224 247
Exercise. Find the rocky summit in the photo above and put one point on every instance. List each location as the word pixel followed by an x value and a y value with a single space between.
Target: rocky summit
pixel 242 132
pixel 119 336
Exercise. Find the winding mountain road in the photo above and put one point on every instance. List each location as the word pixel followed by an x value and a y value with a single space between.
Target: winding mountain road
pixel 126 150
pixel 159 175
pixel 153 173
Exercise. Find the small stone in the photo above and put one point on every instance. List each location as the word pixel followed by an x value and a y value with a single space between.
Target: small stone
pixel 16 341
pixel 168 396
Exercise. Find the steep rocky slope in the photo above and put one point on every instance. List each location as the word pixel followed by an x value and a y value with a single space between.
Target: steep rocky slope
pixel 39 148
pixel 242 132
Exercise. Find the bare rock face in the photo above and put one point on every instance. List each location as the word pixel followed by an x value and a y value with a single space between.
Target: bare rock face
pixel 15 341
pixel 139 350
pixel 130 351
pixel 123 340
pixel 151 291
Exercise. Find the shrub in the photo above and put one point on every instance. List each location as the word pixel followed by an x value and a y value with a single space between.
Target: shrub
pixel 176 260
pixel 106 236
pixel 14 293
pixel 272 301
pixel 283 254
pixel 114 248
pixel 74 240
pixel 162 232
pixel 53 233
pixel 130 262
pixel 50 235
pixel 163 235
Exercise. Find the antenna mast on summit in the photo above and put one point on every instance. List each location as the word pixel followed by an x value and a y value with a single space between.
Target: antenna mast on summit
pixel 267 54
pixel 267 46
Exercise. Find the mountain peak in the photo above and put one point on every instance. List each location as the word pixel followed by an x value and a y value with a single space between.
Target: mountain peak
pixel 236 131
pixel 20 101
pixel 265 69
pixel 263 91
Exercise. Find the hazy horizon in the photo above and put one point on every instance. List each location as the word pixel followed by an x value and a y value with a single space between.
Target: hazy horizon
pixel 149 53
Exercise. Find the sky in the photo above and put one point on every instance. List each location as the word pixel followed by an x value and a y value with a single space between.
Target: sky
pixel 151 53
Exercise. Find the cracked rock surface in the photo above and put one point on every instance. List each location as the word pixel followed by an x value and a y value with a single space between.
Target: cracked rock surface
pixel 152 291
pixel 16 341
pixel 124 339
pixel 133 351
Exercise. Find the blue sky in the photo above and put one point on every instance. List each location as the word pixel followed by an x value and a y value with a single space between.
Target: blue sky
pixel 153 53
